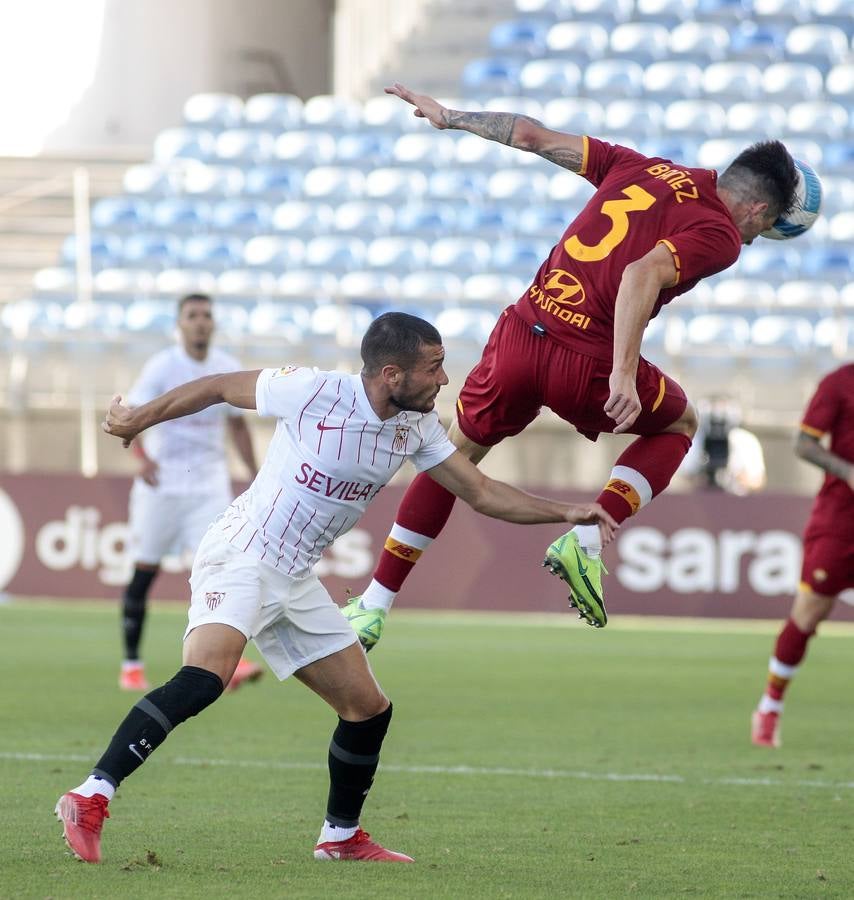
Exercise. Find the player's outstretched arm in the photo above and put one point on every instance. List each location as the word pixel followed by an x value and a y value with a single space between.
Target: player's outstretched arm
pixel 810 449
pixel 234 388
pixel 520 132
pixel 502 501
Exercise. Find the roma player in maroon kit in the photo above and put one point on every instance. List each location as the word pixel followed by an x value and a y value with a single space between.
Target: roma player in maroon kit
pixel 828 566
pixel 572 341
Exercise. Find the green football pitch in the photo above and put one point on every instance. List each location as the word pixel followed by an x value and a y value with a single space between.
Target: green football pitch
pixel 528 757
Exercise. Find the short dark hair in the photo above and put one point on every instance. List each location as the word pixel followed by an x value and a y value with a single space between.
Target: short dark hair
pixel 764 171
pixel 191 298
pixel 396 338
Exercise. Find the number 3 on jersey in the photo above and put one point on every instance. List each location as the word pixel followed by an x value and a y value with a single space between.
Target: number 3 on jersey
pixel 637 199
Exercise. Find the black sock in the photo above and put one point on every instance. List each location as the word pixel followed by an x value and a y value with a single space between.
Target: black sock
pixel 133 609
pixel 354 755
pixel 145 727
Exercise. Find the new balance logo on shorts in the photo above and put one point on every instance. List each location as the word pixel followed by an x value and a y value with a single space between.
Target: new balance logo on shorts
pixel 214 598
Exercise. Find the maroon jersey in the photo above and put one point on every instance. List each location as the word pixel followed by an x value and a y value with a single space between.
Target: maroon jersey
pixel 831 411
pixel 639 202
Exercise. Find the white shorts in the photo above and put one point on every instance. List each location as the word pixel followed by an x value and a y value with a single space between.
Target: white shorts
pixel 293 623
pixel 162 523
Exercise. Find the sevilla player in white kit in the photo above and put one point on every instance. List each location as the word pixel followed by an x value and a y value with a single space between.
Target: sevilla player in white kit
pixel 182 483
pixel 339 438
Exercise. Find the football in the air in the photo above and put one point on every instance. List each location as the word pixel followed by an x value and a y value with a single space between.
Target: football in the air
pixel 802 215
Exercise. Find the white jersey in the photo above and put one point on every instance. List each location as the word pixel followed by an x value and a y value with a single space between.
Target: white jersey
pixel 328 459
pixel 189 452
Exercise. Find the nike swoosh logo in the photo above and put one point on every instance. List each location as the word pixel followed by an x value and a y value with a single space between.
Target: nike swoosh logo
pixel 582 569
pixel 322 427
pixel 136 753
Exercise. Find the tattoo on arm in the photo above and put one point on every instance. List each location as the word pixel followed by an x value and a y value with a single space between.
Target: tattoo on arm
pixel 561 156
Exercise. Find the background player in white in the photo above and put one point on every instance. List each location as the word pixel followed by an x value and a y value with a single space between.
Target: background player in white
pixel 339 438
pixel 182 484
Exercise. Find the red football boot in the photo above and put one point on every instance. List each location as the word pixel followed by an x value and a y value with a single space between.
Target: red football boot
pixel 361 847
pixel 765 729
pixel 82 819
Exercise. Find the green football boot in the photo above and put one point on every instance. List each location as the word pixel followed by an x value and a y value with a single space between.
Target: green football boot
pixel 367 623
pixel 566 559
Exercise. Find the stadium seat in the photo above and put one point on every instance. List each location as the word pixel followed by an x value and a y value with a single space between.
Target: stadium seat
pixel 462 185
pixel 344 323
pixel 548 221
pixel 731 81
pixel 246 285
pixel 577 115
pixel 151 316
pixel 833 263
pixel 290 322
pixel 786 13
pixel 32 318
pixel 846 296
pixel 245 217
pixel 212 252
pixel 432 286
pixel 184 143
pixel 460 325
pixel 756 119
pixel 669 13
pixel 567 187
pixel 365 149
pixel 273 112
pixel 397 254
pixel 718 153
pixel 839 84
pixel 466 256
pixel 759 44
pixel 519 256
pixel 642 42
pixel 743 295
pixel 790 82
pixel 699 42
pixel 772 261
pixel 837 196
pixel 473 150
pixel 609 12
pixel 519 37
pixel 727 12
pixel 181 214
pixel 424 150
pixel 305 148
pixel 245 146
pixel 276 253
pixel 335 253
pixel 151 250
pixel 175 282
pixel 698 118
pixel 609 78
pixel 786 335
pixel 489 220
pixel 677 148
pixel 841 228
pixel 58 283
pixel 364 218
pixel 333 183
pixel 330 112
pixel 307 284
pixel 212 181
pixel 102 318
pixel 838 158
pixel 148 179
pixel 820 121
pixel 120 213
pixel 104 250
pixel 214 110
pixel 640 118
pixel 395 185
pixel 577 41
pixel 823 46
pixel 672 80
pixel 550 77
pixel 492 288
pixel 490 76
pixel 831 12
pixel 724 335
pixel 274 182
pixel 429 219
pixel 833 336
pixel 300 218
pixel 389 114
pixel 809 294
pixel 374 290
pixel 517 186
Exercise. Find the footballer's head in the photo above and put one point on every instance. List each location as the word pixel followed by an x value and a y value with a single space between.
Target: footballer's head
pixel 196 323
pixel 406 353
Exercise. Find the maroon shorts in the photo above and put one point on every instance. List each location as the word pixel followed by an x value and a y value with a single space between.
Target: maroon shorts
pixel 828 566
pixel 521 371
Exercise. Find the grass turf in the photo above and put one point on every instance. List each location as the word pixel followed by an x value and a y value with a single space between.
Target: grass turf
pixel 527 758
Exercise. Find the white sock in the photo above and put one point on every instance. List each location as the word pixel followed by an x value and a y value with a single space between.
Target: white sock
pixel 767 704
pixel 376 596
pixel 335 833
pixel 129 665
pixel 589 538
pixel 94 785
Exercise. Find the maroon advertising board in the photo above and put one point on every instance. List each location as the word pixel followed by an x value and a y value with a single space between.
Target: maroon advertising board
pixel 699 554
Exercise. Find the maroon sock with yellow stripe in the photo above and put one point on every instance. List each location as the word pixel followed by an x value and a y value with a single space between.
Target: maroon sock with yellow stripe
pixel 421 516
pixel 643 471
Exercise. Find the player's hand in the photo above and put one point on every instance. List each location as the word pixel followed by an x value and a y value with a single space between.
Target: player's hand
pixel 593 514
pixel 623 405
pixel 118 421
pixel 425 107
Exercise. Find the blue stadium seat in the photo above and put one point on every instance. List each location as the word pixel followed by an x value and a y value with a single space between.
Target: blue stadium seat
pixel 246 285
pixel 212 181
pixel 300 218
pixel 305 148
pixel 640 118
pixel 422 150
pixel 364 218
pixel 463 255
pixel 567 187
pixel 290 322
pixel 151 250
pixel 833 263
pixel 492 288
pixel 335 253
pixel 839 158
pixel 547 221
pixel 832 12
pixel 33 318
pixel 429 219
pixel 818 120
pixel 677 148
pixel 608 12
pixel 519 37
pixel 841 228
pixel 273 112
pixel 811 294
pixel 389 114
pixel 577 41
pixel 695 117
pixel 718 153
pixel 276 253
pixel 365 149
pixel 374 290
pixel 432 286
pixel 725 335
pixel 344 324
pixel 731 81
pixel 307 284
pixel 757 119
pixel 846 296
pixel 746 296
pixel 699 42
pixel 212 252
pixel 333 183
pixel 490 76
pixel 760 44
pixel 105 250
pixel 472 150
pixel 245 146
pixel 833 336
pixel 121 213
pixel 331 112
pixel 727 12
pixel 460 325
pixel 517 186
pixel 148 179
pixel 772 261
pixel 550 77
pixel 102 318
pixel 57 283
pixel 245 217
pixel 181 214
pixel 397 254
pixel 669 13
pixel 177 281
pixel 672 80
pixel 463 185
pixel 519 256
pixel 274 182
pixel 790 82
pixel 577 115
pixel 489 220
pixel 837 196
pixel 609 78
pixel 785 13
pixel 823 46
pixel 214 110
pixel 786 335
pixel 184 143
pixel 643 42
pixel 839 84
pixel 151 316
pixel 395 185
